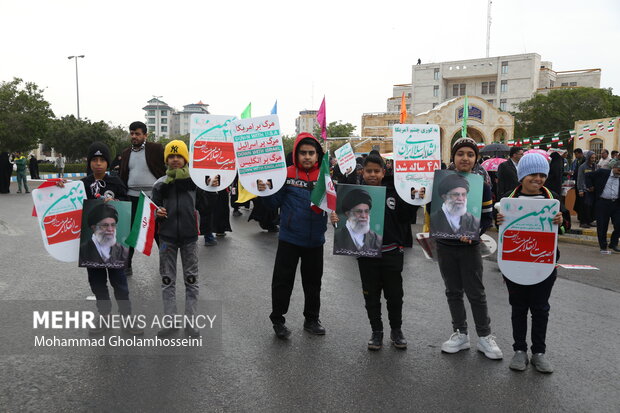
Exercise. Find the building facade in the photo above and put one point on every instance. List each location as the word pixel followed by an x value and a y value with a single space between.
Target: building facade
pixel 184 116
pixel 598 134
pixel 306 121
pixel 503 81
pixel 158 116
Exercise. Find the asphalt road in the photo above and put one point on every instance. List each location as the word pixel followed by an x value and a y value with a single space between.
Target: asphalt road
pixel 254 371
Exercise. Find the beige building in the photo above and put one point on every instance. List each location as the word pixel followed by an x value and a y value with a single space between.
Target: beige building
pixel 504 81
pixel 306 121
pixel 602 137
pixel 158 117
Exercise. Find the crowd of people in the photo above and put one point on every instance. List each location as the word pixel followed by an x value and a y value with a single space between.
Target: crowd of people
pixel 162 173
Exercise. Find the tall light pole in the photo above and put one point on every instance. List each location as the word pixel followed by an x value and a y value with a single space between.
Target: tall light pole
pixel 157 116
pixel 77 85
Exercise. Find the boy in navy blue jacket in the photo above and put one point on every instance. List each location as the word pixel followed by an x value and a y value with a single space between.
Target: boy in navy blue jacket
pixel 302 235
pixel 384 273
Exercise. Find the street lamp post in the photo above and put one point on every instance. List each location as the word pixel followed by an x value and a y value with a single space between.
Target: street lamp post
pixel 157 115
pixel 77 85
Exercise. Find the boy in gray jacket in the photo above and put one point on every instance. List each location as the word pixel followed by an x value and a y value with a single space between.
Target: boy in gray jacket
pixel 175 195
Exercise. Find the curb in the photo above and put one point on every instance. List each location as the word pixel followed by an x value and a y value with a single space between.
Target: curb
pixel 51 176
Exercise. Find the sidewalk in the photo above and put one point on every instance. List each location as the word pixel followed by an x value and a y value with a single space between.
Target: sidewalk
pixel 50 176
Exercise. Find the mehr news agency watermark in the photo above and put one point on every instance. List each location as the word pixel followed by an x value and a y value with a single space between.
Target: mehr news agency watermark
pixel 63 320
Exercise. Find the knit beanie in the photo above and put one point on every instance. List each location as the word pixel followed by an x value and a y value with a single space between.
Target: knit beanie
pixel 461 142
pixel 98 149
pixel 532 163
pixel 176 147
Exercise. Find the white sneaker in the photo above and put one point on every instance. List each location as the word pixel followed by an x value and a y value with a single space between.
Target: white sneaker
pixel 489 347
pixel 456 343
pixel 605 252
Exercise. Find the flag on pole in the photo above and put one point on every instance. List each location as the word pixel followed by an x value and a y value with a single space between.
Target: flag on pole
pixel 143 228
pixel 465 116
pixel 323 197
pixel 247 112
pixel 321 117
pixel 274 109
pixel 403 109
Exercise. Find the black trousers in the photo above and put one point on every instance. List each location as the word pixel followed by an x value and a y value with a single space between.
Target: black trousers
pixel 98 280
pixel 383 274
pixel 134 207
pixel 284 270
pixel 606 209
pixel 535 299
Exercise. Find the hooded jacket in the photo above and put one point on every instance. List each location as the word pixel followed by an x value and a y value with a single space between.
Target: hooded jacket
pixel 585 168
pixel 299 224
pixel 179 199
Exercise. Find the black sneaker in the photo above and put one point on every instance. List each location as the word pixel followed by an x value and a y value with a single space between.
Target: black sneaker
pixel 398 339
pixel 376 341
pixel 128 272
pixel 314 327
pixel 615 248
pixel 166 331
pixel 134 331
pixel 192 332
pixel 282 332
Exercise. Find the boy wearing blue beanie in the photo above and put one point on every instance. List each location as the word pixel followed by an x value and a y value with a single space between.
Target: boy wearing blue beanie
pixel 532 172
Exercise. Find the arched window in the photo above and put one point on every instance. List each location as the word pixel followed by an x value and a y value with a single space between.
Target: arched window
pixel 596 146
pixel 499 135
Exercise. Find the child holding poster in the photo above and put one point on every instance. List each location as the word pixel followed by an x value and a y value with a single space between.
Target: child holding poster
pixel 384 273
pixel 460 264
pixel 302 235
pixel 175 195
pixel 532 172
pixel 100 185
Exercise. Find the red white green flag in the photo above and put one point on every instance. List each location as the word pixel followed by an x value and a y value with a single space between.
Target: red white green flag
pixel 572 133
pixel 586 128
pixel 536 141
pixel 511 143
pixel 610 128
pixel 592 131
pixel 601 126
pixel 580 136
pixel 556 137
pixel 323 195
pixel 143 228
pixel 560 144
pixel 526 140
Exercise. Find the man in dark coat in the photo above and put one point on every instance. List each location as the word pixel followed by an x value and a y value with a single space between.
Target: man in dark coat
pixel 507 172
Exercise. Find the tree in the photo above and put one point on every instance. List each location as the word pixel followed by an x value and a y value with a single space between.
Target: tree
pixel 72 136
pixel 560 109
pixel 336 130
pixel 24 115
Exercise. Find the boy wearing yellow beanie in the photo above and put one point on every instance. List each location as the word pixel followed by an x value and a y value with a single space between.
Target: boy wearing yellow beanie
pixel 175 195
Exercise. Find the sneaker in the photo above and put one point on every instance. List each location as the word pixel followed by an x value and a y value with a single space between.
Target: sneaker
pixel 376 341
pixel 282 332
pixel 166 331
pixel 488 346
pixel 210 242
pixel 519 361
pixel 314 327
pixel 236 213
pixel 615 248
pixel 456 343
pixel 192 332
pixel 134 331
pixel 99 327
pixel 605 252
pixel 398 339
pixel 128 272
pixel 541 363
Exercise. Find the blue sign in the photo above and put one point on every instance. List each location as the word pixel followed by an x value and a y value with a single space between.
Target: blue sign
pixel 474 112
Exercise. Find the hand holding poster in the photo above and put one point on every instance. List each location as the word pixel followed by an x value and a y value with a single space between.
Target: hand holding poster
pixel 345 158
pixel 416 157
pixel 360 210
pixel 105 226
pixel 59 211
pixel 528 239
pixel 456 205
pixel 212 157
pixel 260 154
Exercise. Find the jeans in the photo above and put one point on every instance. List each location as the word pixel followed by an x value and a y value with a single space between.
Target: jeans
pixel 21 177
pixel 284 270
pixel 168 271
pixel 98 277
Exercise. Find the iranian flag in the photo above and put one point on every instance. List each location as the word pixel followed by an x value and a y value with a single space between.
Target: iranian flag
pixel 572 133
pixel 536 141
pixel 593 132
pixel 610 128
pixel 143 228
pixel 580 136
pixel 586 128
pixel 526 140
pixel 601 127
pixel 323 197
pixel 556 137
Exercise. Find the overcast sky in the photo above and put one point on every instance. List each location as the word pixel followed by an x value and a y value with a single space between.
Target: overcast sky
pixel 230 53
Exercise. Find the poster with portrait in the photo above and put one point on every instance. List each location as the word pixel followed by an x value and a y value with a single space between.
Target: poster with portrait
pixel 59 212
pixel 456 205
pixel 211 153
pixel 105 227
pixel 527 239
pixel 260 153
pixel 416 157
pixel 345 158
pixel 360 209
